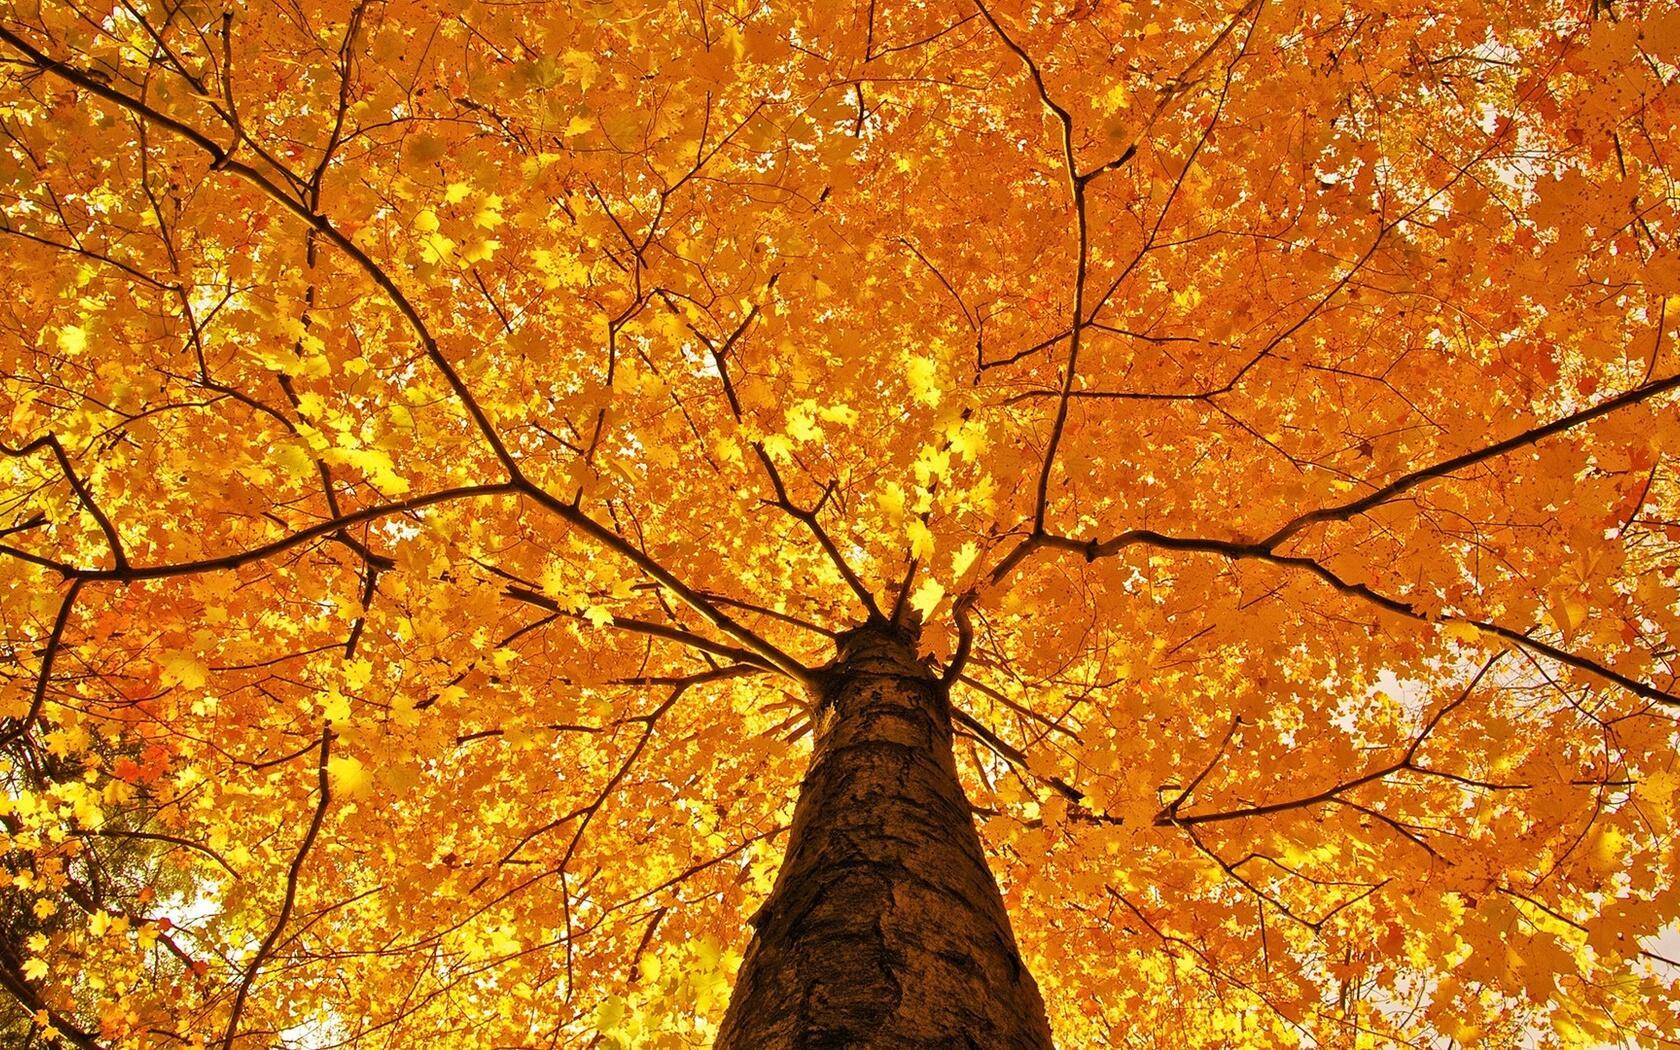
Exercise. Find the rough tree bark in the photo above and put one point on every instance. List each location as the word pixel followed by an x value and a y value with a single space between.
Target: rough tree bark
pixel 885 927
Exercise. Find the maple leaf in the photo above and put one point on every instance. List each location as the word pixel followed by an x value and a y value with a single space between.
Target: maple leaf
pixel 498 498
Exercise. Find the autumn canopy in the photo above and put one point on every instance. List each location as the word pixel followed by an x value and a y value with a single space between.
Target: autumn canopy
pixel 464 463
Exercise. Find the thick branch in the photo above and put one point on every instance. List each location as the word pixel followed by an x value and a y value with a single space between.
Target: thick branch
pixel 719 619
pixel 1407 762
pixel 808 516
pixel 1093 549
pixel 328 528
pixel 1445 467
pixel 223 159
pixel 1014 755
pixel 648 627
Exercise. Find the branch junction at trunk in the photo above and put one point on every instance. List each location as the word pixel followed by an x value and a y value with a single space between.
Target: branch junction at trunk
pixel 885 927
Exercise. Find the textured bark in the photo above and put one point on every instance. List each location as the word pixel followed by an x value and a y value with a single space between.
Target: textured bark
pixel 885 927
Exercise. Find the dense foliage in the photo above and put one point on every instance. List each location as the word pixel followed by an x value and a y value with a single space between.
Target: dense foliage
pixel 443 438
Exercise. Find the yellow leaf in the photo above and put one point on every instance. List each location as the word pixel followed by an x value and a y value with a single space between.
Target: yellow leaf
pixel 403 710
pixel 921 373
pixel 436 248
pixel 963 559
pixel 72 339
pixel 921 539
pixel 294 460
pixel 1567 614
pixel 891 500
pixel 480 250
pixel 1461 631
pixel 357 672
pixel 336 708
pixel 346 775
pixel 927 597
pixel 489 214
pixel 184 670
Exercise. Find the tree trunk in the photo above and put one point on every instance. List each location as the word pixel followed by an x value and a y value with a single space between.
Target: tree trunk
pixel 885 927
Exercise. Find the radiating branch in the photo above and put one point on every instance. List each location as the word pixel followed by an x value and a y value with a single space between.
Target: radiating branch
pixel 668 632
pixel 50 441
pixel 293 874
pixel 1445 467
pixel 1170 816
pixel 224 159
pixel 49 654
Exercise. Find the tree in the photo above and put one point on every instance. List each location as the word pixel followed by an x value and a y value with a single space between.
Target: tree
pixel 1164 515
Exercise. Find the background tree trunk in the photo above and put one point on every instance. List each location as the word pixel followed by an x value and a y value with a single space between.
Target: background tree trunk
pixel 885 927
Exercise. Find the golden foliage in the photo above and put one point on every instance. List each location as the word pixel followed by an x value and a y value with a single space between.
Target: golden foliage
pixel 442 437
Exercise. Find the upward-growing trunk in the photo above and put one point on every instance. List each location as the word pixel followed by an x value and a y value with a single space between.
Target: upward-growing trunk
pixel 885 927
